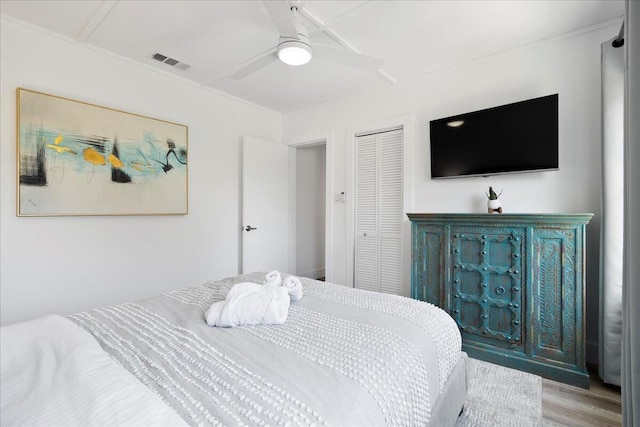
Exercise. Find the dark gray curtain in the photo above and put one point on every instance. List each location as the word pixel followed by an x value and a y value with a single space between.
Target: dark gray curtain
pixel 631 270
pixel 612 224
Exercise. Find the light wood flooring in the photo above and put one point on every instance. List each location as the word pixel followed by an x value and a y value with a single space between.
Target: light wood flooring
pixel 564 405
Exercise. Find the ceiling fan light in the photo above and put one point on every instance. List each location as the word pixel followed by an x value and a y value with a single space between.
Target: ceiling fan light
pixel 294 52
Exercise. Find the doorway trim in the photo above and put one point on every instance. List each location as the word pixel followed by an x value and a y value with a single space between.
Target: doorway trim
pixel 307 141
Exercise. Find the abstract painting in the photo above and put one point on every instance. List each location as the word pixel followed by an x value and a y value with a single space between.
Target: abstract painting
pixel 76 158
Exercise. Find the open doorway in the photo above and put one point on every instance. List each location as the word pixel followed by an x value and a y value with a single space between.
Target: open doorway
pixel 310 210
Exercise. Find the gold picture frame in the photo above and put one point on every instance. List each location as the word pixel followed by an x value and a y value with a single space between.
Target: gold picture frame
pixel 77 158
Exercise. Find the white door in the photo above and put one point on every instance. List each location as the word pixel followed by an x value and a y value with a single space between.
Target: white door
pixel 379 211
pixel 265 205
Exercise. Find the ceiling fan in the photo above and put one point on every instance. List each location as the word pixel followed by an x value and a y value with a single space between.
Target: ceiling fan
pixel 294 47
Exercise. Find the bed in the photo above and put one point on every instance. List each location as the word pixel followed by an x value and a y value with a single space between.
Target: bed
pixel 344 357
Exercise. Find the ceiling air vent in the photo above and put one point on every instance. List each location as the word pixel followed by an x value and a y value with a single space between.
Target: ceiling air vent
pixel 171 62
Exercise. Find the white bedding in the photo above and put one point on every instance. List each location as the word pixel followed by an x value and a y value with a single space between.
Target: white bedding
pixel 55 373
pixel 344 357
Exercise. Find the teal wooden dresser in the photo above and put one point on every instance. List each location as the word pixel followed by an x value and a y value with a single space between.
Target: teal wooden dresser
pixel 514 283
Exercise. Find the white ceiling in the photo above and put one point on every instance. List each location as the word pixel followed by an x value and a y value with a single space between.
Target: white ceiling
pixel 215 37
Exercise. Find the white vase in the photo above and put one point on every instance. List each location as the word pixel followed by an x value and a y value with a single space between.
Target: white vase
pixel 493 205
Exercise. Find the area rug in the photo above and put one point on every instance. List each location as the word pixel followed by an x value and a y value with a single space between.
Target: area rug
pixel 499 396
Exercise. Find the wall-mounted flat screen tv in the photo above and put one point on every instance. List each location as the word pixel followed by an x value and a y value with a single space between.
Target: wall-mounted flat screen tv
pixel 512 138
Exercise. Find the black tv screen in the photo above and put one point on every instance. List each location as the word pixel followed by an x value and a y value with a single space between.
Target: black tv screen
pixel 518 137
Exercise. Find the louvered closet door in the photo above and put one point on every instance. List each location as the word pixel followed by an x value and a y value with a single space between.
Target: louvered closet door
pixel 390 211
pixel 366 213
pixel 378 212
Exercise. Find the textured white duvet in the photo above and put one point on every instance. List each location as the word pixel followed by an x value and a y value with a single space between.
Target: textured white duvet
pixel 344 357
pixel 54 372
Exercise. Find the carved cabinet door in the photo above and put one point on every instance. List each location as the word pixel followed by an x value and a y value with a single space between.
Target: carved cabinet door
pixel 487 278
pixel 556 303
pixel 428 259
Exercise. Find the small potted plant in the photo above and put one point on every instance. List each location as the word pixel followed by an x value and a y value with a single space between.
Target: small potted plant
pixel 493 204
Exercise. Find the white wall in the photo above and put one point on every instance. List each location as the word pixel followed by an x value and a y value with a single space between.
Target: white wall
pixel 310 210
pixel 67 264
pixel 45 264
pixel 569 66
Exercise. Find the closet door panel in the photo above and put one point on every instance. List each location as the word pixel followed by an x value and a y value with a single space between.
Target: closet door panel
pixel 366 267
pixel 391 211
pixel 390 265
pixel 379 211
pixel 366 214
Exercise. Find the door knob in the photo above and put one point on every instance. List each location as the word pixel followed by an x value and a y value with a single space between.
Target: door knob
pixel 249 228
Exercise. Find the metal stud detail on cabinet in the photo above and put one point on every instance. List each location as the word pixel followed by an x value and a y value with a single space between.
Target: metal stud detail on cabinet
pixel 514 284
pixel 485 257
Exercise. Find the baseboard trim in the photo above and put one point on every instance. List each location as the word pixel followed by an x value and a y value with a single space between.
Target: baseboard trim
pixel 313 274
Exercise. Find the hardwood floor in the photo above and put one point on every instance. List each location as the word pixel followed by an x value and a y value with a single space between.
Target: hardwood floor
pixel 564 405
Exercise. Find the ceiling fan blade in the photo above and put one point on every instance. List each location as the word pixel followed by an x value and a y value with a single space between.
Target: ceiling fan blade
pixel 247 67
pixel 346 57
pixel 253 66
pixel 280 14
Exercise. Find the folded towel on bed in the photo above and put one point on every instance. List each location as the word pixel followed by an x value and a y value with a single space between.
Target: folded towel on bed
pixel 273 278
pixel 250 304
pixel 291 283
pixel 293 286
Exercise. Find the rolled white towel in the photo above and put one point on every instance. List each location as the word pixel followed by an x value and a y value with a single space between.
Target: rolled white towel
pixel 293 286
pixel 273 278
pixel 250 304
pixel 214 311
